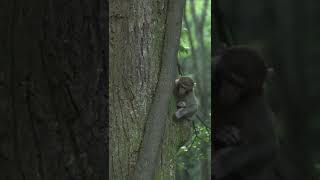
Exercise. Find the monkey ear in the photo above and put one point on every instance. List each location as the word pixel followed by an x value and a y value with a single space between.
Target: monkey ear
pixel 224 46
pixel 176 81
pixel 270 74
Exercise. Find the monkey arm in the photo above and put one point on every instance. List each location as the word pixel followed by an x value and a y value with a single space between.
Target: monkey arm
pixel 226 137
pixel 236 159
pixel 187 111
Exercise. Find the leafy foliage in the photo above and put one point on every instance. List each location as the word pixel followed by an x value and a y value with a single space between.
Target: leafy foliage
pixel 195 60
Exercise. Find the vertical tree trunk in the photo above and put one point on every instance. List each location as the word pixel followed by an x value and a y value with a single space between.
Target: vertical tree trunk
pixel 53 90
pixel 137 35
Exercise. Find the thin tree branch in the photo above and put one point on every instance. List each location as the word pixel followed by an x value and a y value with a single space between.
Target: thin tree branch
pixel 204 12
pixel 193 51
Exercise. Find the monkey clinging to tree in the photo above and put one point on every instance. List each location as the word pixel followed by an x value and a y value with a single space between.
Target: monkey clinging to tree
pixel 185 98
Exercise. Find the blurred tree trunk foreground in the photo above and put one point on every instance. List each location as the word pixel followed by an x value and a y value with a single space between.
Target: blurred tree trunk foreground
pixel 53 90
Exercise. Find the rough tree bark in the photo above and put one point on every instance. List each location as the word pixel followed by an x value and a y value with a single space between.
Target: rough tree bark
pixel 137 44
pixel 53 90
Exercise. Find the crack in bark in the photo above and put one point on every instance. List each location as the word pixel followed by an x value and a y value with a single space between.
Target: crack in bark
pixel 53 104
pixel 17 157
pixel 33 128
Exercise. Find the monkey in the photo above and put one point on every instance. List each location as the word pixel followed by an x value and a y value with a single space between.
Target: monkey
pixel 240 106
pixel 187 106
pixel 186 102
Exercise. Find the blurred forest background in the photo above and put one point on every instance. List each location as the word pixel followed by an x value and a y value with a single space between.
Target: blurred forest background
pixel 193 161
pixel 286 33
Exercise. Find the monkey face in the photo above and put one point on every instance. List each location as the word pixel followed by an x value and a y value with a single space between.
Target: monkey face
pixel 243 62
pixel 182 91
pixel 228 87
pixel 238 72
pixel 184 85
pixel 229 93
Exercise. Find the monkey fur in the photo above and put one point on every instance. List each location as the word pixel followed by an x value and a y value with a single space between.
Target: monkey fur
pixel 239 102
pixel 186 102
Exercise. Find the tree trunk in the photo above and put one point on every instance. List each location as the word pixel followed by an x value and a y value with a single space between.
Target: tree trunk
pixel 137 35
pixel 52 90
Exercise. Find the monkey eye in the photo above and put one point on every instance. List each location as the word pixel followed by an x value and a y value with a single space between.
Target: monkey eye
pixel 236 80
pixel 222 74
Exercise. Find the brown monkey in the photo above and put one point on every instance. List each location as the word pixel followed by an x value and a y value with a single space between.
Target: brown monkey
pixel 185 98
pixel 246 151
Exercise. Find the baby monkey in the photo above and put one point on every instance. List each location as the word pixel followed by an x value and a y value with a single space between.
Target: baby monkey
pixel 185 99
